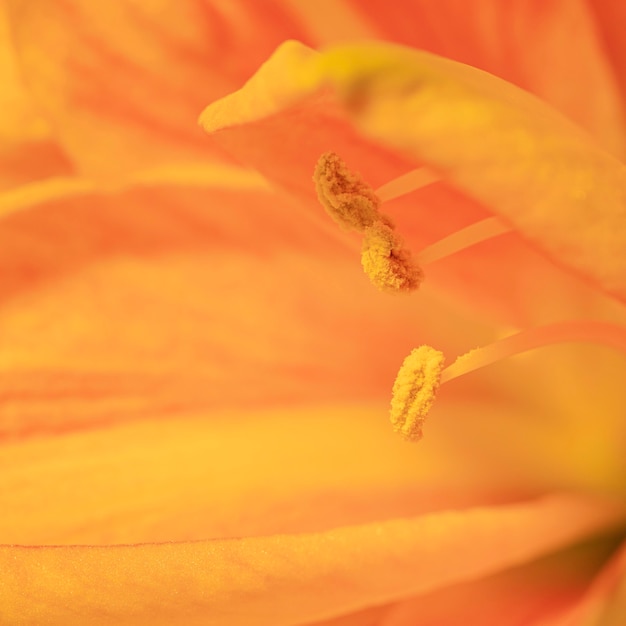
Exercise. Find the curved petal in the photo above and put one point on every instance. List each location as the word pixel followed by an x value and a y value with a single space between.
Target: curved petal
pixel 133 95
pixel 284 579
pixel 527 43
pixel 491 140
pixel 111 471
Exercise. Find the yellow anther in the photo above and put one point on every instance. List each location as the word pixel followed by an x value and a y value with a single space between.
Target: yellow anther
pixel 414 391
pixel 346 197
pixel 387 262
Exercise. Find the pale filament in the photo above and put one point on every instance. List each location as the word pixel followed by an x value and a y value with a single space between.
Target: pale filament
pixel 583 331
pixel 405 184
pixel 422 373
pixel 464 238
pixel 460 240
pixel 355 206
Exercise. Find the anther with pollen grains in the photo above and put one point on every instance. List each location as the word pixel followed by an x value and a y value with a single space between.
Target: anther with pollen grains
pixel 346 197
pixel 387 262
pixel 355 206
pixel 414 391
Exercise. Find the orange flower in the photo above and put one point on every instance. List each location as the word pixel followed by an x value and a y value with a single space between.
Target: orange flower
pixel 197 372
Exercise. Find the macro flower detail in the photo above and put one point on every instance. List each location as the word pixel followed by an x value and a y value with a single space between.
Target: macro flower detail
pixel 387 261
pixel 422 372
pixel 414 391
pixel 345 196
pixel 196 371
pixel 355 206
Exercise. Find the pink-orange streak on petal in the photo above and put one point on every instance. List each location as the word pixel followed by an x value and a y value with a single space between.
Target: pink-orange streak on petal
pixel 121 83
pixel 27 148
pixel 284 579
pixel 611 18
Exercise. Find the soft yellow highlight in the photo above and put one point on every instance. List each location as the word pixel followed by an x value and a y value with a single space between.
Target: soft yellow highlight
pixel 387 262
pixel 200 175
pixel 414 391
pixel 408 183
pixel 350 201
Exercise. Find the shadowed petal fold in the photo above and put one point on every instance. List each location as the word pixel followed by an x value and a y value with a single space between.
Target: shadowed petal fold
pixel 280 580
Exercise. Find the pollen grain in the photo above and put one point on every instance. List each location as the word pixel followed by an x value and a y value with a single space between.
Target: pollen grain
pixel 349 200
pixel 386 260
pixel 414 391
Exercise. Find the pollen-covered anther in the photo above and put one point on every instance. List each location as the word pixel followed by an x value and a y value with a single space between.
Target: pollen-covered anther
pixel 414 391
pixel 389 265
pixel 350 201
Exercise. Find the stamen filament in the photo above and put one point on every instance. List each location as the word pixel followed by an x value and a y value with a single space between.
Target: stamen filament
pixel 405 184
pixel 584 331
pixel 354 205
pixel 460 240
pixel 422 373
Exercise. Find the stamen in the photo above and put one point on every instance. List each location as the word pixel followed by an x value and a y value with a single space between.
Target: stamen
pixel 577 331
pixel 414 391
pixel 350 201
pixel 387 262
pixel 405 184
pixel 422 373
pixel 354 205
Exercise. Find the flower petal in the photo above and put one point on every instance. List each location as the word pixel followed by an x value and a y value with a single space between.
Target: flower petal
pixel 284 579
pixel 611 16
pixel 228 473
pixel 526 43
pixel 604 603
pixel 113 305
pixel 493 141
pixel 519 596
pixel 122 82
pixel 27 148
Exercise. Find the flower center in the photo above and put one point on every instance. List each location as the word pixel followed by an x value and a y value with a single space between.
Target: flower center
pixel 422 373
pixel 354 205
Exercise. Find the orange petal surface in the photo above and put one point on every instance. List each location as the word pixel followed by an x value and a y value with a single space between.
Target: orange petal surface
pixel 284 579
